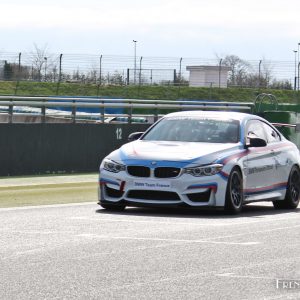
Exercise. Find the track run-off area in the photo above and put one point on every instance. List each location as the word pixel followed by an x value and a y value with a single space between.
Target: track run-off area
pixel 81 251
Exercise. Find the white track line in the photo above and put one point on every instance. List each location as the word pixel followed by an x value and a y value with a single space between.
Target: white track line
pixel 231 222
pixel 45 206
pixel 106 237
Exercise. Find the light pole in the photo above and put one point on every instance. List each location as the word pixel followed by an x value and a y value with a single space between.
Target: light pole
pixel 295 82
pixel 298 65
pixel 134 61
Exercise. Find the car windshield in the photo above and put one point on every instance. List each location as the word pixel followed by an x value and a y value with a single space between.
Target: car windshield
pixel 194 129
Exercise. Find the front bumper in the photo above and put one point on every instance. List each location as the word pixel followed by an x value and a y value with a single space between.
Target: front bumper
pixel 185 190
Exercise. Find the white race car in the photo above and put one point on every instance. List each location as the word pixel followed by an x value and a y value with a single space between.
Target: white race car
pixel 202 159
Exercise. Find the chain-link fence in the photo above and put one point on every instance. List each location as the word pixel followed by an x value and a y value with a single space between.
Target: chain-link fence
pixel 41 66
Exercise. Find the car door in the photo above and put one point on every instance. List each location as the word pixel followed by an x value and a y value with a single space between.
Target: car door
pixel 259 165
pixel 282 168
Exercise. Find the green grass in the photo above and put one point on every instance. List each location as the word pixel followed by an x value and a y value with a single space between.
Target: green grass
pixel 27 88
pixel 45 194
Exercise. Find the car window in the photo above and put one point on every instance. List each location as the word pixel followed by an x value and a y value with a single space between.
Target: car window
pixel 272 135
pixel 195 129
pixel 256 128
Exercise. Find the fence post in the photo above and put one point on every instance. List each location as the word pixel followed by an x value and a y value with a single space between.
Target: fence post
pixel 220 67
pixel 127 79
pixel 259 73
pixel 60 59
pixel 140 75
pixel 102 113
pixel 100 76
pixel 180 64
pixel 19 74
pixel 10 112
pixel 74 112
pixel 130 113
pixel 59 75
pixel 156 112
pixel 179 77
pixel 298 74
pixel 43 112
pixel 100 70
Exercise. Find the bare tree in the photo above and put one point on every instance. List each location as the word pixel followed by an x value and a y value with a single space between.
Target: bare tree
pixel 42 61
pixel 239 69
pixel 266 73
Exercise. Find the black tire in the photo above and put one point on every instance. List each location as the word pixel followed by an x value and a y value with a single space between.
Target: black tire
pixel 234 192
pixel 291 199
pixel 113 207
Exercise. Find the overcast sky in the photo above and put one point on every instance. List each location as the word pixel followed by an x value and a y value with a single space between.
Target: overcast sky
pixel 255 29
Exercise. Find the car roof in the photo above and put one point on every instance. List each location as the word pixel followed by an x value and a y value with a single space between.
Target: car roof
pixel 213 114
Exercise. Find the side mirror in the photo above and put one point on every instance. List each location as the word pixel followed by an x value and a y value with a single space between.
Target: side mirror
pixel 134 136
pixel 256 142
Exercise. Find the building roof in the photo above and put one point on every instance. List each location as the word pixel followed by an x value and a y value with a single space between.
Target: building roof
pixel 208 68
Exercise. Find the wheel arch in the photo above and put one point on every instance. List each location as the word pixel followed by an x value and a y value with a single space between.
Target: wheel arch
pixel 234 196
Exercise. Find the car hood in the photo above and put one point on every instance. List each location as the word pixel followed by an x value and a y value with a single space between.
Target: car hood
pixel 161 152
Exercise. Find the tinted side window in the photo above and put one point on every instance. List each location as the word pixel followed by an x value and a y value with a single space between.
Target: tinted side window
pixel 256 128
pixel 272 135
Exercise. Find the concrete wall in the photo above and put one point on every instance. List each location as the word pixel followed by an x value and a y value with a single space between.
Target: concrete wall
pixel 43 148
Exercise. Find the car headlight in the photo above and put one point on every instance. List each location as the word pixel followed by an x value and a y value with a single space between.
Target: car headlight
pixel 112 166
pixel 207 170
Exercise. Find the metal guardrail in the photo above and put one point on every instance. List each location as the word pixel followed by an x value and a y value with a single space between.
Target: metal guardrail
pixel 284 125
pixel 44 103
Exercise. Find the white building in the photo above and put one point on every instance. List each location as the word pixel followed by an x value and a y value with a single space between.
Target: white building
pixel 208 76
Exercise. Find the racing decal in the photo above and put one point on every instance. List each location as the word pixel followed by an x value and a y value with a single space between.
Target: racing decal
pixel 267 189
pixel 105 181
pixel 122 186
pixel 148 162
pixel 130 159
pixel 238 155
pixel 213 186
pixel 223 175
pixel 271 147
pixel 245 152
pixel 260 169
pixel 266 155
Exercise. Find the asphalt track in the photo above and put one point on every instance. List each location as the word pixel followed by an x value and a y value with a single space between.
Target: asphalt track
pixel 79 251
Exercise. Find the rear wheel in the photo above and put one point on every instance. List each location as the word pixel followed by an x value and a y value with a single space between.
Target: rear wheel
pixel 234 192
pixel 291 199
pixel 113 207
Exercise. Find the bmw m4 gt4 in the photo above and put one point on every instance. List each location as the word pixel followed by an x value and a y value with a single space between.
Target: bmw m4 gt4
pixel 202 159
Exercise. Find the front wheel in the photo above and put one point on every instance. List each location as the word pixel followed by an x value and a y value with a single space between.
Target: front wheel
pixel 291 199
pixel 234 192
